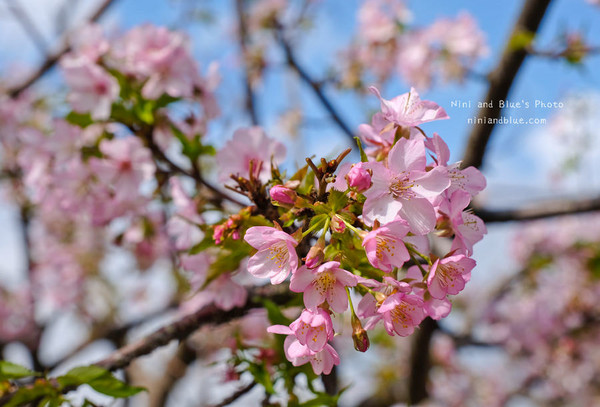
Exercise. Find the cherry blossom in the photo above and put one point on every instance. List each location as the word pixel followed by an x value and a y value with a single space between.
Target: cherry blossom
pixel 409 110
pixel 93 89
pixel 449 275
pixel 249 145
pixel 313 329
pixel 322 362
pixel 276 257
pixel 404 188
pixel 384 246
pixel 325 283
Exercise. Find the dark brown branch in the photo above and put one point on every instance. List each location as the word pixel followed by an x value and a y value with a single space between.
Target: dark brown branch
pixel 181 329
pixel 250 98
pixel 184 327
pixel 501 80
pixel 53 57
pixel 541 211
pixel 420 361
pixel 236 395
pixel 176 369
pixel 314 85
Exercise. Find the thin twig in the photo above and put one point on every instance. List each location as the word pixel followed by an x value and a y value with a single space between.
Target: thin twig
pixel 250 97
pixel 181 329
pixel 314 85
pixel 239 393
pixel 53 58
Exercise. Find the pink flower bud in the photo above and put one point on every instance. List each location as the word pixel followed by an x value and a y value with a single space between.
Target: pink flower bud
pixel 281 195
pixel 359 178
pixel 315 255
pixel 337 224
pixel 359 335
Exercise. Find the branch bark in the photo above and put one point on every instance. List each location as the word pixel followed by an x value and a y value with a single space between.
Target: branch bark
pixel 184 327
pixel 541 211
pixel 181 329
pixel 501 80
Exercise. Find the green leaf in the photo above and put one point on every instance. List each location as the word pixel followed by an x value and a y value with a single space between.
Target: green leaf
pixel 79 119
pixel 363 155
pixel 207 149
pixel 144 110
pixel 261 376
pixel 204 244
pixel 274 313
pixel 26 395
pixel 100 380
pixel 337 200
pixel 11 371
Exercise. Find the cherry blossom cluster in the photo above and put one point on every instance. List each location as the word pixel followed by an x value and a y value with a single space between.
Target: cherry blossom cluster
pixel 95 179
pixel 544 321
pixel 448 48
pixel 369 227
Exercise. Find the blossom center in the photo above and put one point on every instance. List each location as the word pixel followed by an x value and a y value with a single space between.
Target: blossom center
pixel 384 244
pixel 401 187
pixel 325 282
pixel 279 254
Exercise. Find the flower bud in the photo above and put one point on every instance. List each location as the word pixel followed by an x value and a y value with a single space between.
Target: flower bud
pixel 359 178
pixel 337 224
pixel 281 195
pixel 315 255
pixel 359 335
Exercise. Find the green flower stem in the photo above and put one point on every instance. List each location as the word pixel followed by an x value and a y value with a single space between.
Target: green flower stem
pixel 418 263
pixel 412 249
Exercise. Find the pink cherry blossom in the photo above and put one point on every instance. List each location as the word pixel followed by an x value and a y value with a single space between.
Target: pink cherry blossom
pixel 182 227
pixel 468 229
pixel 313 329
pixel 89 41
pixel 276 257
pixel 401 313
pixel 469 179
pixel 327 282
pixel 249 145
pixel 359 177
pixel 125 165
pixel 434 307
pixel 282 195
pixel 449 275
pixel 384 246
pixel 409 110
pixel 93 90
pixel 404 188
pixel 322 362
pixel 158 56
pixel 378 19
pixel 368 306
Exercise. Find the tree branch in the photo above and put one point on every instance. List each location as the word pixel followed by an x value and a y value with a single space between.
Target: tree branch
pixel 420 361
pixel 181 329
pixel 315 86
pixel 501 80
pixel 53 57
pixel 542 211
pixel 239 393
pixel 250 99
pixel 185 326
